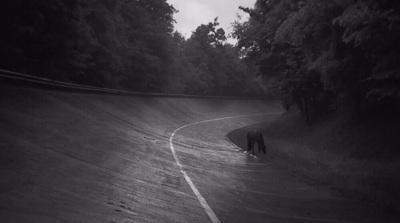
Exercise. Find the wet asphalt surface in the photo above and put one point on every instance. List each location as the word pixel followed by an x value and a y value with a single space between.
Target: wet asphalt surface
pixel 69 157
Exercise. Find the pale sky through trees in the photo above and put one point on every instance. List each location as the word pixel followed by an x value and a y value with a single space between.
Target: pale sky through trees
pixel 193 13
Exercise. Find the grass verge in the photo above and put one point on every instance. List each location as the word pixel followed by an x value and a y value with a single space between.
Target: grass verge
pixel 358 160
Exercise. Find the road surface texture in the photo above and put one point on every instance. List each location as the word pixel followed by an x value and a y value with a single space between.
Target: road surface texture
pixel 74 157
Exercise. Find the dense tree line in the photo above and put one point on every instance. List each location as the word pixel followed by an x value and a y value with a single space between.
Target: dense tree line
pixel 211 65
pixel 319 54
pixel 126 44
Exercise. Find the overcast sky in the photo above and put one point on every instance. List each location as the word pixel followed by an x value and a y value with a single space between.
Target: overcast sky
pixel 193 13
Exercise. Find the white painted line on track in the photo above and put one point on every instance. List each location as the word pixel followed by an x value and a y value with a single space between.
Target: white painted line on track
pixel 201 199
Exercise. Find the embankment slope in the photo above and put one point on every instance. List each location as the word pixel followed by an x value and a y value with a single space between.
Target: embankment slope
pixel 357 159
pixel 90 157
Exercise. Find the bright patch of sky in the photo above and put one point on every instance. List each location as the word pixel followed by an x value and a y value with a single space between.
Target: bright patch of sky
pixel 193 13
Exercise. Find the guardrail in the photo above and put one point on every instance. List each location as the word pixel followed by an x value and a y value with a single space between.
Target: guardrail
pixel 46 83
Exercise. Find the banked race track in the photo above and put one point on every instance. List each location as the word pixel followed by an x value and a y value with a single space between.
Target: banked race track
pixel 74 155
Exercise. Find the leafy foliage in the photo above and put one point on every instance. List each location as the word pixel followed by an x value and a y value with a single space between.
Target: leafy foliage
pixel 315 49
pixel 373 28
pixel 127 44
pixel 212 66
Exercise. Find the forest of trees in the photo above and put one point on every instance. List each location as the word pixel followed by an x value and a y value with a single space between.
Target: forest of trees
pixel 123 44
pixel 319 54
pixel 313 53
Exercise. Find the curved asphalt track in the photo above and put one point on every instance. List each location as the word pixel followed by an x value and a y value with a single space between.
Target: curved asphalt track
pixel 73 157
